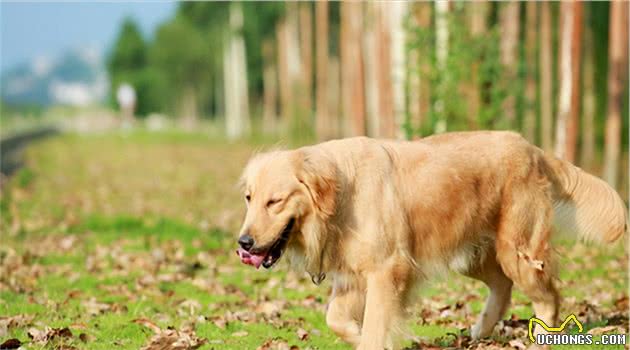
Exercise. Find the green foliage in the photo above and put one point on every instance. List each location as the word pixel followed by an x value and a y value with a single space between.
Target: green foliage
pixel 448 97
pixel 127 64
pixel 260 20
pixel 181 53
pixel 129 51
pixel 24 177
pixel 182 58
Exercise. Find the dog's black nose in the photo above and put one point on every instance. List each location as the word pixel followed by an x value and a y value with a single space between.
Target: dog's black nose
pixel 246 241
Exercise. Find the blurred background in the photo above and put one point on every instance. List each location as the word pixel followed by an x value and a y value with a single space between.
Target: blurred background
pixel 556 72
pixel 124 128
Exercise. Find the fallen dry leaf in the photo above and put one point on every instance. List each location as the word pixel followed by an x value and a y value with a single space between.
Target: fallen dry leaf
pixel 170 339
pixel 240 334
pixel 12 343
pixel 276 344
pixel 6 323
pixel 48 334
pixel 607 329
pixel 302 334
pixel 515 343
pixel 149 324
pixel 94 307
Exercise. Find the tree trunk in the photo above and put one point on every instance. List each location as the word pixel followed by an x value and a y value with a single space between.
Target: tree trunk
pixel 509 21
pixel 546 79
pixel 419 99
pixel 529 122
pixel 370 60
pixel 289 75
pixel 587 155
pixel 235 76
pixel 188 108
pixel 478 15
pixel 334 97
pixel 398 11
pixel 306 55
pixel 441 55
pixel 323 120
pixel 270 89
pixel 387 123
pixel 283 72
pixel 617 80
pixel 569 104
pixel 353 96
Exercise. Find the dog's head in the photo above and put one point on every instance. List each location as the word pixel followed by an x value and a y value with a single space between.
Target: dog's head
pixel 286 193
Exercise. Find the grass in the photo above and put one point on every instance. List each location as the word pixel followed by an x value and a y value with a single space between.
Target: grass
pixel 100 231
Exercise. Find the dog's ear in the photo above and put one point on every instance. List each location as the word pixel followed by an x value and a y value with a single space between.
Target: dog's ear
pixel 319 175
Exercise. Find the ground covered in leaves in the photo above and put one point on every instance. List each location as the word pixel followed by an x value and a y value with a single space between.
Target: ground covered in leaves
pixel 127 241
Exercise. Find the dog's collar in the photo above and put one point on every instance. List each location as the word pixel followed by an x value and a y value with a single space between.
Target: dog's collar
pixel 317 279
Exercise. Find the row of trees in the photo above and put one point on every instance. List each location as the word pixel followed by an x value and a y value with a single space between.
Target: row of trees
pixel 557 72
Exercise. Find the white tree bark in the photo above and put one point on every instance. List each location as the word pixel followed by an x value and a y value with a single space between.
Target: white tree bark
pixel 509 21
pixel 564 102
pixel 322 111
pixel 570 55
pixel 546 78
pixel 617 78
pixel 531 21
pixel 398 11
pixel 370 57
pixel 270 89
pixel 441 53
pixel 235 77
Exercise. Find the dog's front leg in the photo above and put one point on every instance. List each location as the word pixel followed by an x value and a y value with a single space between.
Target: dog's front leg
pixel 386 294
pixel 345 313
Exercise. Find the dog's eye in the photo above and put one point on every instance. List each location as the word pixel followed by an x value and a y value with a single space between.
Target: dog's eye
pixel 273 201
pixel 248 197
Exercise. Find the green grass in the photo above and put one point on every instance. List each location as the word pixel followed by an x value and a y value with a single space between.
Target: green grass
pixel 100 231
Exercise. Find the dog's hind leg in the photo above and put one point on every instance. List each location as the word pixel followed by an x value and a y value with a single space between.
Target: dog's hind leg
pixel 345 313
pixel 524 248
pixel 490 273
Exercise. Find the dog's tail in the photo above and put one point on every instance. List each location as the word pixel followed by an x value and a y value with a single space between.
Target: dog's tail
pixel 585 206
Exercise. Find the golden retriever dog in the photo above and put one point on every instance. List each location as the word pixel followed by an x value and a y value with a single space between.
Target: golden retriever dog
pixel 380 216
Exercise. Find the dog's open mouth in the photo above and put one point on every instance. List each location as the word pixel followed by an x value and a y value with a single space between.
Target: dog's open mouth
pixel 267 256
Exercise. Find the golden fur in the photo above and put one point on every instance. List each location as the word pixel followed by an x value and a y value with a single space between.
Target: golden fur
pixel 379 216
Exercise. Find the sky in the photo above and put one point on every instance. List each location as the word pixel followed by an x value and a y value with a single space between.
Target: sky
pixel 30 31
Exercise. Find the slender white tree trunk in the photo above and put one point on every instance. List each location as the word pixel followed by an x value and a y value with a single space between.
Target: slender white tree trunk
pixel 587 156
pixel 568 106
pixel 478 14
pixel 270 89
pixel 509 20
pixel 546 78
pixel 370 57
pixel 383 57
pixel 283 72
pixel 531 21
pixel 306 56
pixel 322 114
pixel 352 85
pixel 617 79
pixel 398 12
pixel 235 76
pixel 441 53
pixel 334 97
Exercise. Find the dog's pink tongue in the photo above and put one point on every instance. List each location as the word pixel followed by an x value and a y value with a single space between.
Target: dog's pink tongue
pixel 250 259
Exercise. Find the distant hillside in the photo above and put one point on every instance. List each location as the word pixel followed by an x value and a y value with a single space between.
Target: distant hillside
pixel 76 78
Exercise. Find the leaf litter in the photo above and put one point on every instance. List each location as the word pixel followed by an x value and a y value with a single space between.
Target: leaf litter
pixel 148 269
